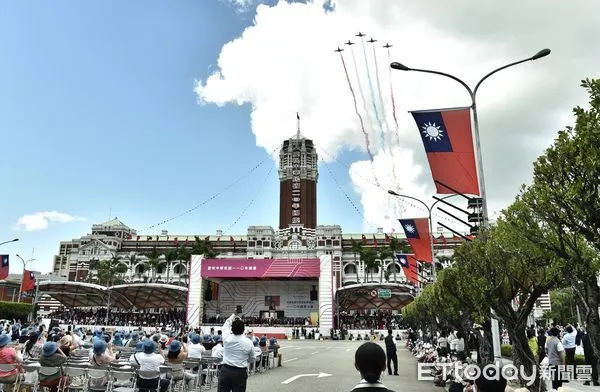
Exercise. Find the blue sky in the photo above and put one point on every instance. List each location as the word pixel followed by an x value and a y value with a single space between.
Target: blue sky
pixel 99 118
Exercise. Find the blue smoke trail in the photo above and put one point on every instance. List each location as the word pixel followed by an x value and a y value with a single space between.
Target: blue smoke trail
pixel 373 99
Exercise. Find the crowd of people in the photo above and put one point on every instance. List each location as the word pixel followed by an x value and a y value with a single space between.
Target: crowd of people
pixel 376 319
pixel 147 350
pixel 172 319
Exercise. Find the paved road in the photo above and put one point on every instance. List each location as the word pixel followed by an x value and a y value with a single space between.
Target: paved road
pixel 335 358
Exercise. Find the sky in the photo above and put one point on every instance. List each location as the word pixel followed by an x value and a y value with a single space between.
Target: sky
pixel 146 109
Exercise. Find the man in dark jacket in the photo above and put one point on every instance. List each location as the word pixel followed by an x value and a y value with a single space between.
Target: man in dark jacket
pixel 583 338
pixel 390 351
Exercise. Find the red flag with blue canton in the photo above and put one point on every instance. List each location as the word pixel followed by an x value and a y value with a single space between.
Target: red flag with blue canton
pixel 28 283
pixel 418 236
pixel 409 266
pixel 448 141
pixel 4 267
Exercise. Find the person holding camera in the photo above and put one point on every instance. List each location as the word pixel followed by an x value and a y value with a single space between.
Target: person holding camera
pixel 238 352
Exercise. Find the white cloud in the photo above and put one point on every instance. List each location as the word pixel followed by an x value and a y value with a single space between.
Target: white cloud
pixel 285 63
pixel 241 5
pixel 41 220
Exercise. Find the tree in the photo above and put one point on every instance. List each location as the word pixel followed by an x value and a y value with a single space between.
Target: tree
pixel 183 255
pixel 107 272
pixel 154 262
pixel 369 259
pixel 565 194
pixel 356 249
pixel 171 255
pixel 382 254
pixel 513 273
pixel 203 247
pixel 563 309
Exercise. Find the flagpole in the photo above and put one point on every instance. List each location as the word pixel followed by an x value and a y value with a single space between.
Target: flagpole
pixel 24 267
pixel 429 217
pixel 473 95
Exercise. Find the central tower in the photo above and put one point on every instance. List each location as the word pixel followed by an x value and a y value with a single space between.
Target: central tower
pixel 298 174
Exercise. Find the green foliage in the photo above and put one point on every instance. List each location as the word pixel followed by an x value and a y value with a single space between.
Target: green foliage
pixel 15 310
pixel 107 272
pixel 506 350
pixel 563 309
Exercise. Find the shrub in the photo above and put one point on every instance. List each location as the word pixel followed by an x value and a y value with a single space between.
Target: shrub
pixel 15 310
pixel 506 350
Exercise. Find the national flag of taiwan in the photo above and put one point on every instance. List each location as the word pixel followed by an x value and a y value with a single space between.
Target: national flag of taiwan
pixel 28 283
pixel 4 267
pixel 448 142
pixel 418 236
pixel 409 266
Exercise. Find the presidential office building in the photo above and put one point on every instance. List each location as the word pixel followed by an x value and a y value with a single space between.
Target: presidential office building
pixel 298 236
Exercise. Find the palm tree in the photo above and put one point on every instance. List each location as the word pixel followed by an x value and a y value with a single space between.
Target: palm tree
pixel 369 259
pixel 383 254
pixel 356 248
pixel 132 263
pixel 183 255
pixel 108 272
pixel 154 262
pixel 394 246
pixel 203 247
pixel 170 256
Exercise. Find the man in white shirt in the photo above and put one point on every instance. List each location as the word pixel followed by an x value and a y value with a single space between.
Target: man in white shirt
pixel 195 347
pixel 238 352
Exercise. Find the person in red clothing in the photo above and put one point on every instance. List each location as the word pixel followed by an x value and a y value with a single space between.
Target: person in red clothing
pixel 8 356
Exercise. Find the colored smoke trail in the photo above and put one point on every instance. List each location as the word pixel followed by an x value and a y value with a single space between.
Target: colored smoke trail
pixel 393 100
pixel 360 89
pixel 362 124
pixel 372 91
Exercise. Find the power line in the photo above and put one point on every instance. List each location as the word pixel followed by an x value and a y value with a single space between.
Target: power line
pixel 256 196
pixel 214 196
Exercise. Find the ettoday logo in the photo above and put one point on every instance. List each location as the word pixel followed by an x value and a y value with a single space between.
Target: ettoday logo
pixel 466 372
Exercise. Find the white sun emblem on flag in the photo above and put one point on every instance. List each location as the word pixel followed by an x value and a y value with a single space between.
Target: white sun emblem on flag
pixel 432 131
pixel 409 228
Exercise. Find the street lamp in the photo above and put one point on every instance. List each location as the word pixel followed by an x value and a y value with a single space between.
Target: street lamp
pixel 6 242
pixel 473 95
pixel 430 212
pixel 24 266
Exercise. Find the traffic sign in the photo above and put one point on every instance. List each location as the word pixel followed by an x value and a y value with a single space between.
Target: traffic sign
pixel 385 293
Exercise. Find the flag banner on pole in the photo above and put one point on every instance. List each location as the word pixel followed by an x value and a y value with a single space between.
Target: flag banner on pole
pixel 28 283
pixel 448 140
pixel 4 267
pixel 409 266
pixel 418 236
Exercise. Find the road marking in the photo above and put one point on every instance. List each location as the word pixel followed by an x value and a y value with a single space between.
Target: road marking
pixel 292 379
pixel 289 360
pixel 313 352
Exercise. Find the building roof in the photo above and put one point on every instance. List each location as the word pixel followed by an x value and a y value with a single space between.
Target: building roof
pixel 140 296
pixel 113 223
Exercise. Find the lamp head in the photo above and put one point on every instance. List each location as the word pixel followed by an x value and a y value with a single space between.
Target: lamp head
pixel 391 192
pixel 540 54
pixel 15 240
pixel 399 66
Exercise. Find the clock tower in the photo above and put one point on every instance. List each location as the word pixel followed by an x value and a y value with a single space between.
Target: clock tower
pixel 298 174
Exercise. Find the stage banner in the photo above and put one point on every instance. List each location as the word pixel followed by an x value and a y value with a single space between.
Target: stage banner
pixel 261 268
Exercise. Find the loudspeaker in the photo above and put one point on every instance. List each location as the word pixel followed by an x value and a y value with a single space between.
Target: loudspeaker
pixel 238 309
pixel 314 294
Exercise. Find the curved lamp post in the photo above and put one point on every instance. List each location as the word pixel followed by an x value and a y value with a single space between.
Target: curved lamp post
pixel 430 212
pixel 473 95
pixel 7 242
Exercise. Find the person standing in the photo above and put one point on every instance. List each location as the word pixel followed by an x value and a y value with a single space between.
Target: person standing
pixel 238 352
pixel 369 360
pixel 590 357
pixel 390 351
pixel 556 357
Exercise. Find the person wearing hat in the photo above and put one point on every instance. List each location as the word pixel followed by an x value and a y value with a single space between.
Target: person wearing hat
pixel 51 357
pixel 217 350
pixel 102 356
pixel 33 347
pixel 134 340
pixel 175 356
pixel 369 360
pixel 8 356
pixel 149 361
pixel 195 347
pixel 274 346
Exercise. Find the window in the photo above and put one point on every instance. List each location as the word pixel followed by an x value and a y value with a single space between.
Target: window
pixel 296 213
pixel 295 205
pixel 296 199
pixel 295 220
pixel 294 245
pixel 296 185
